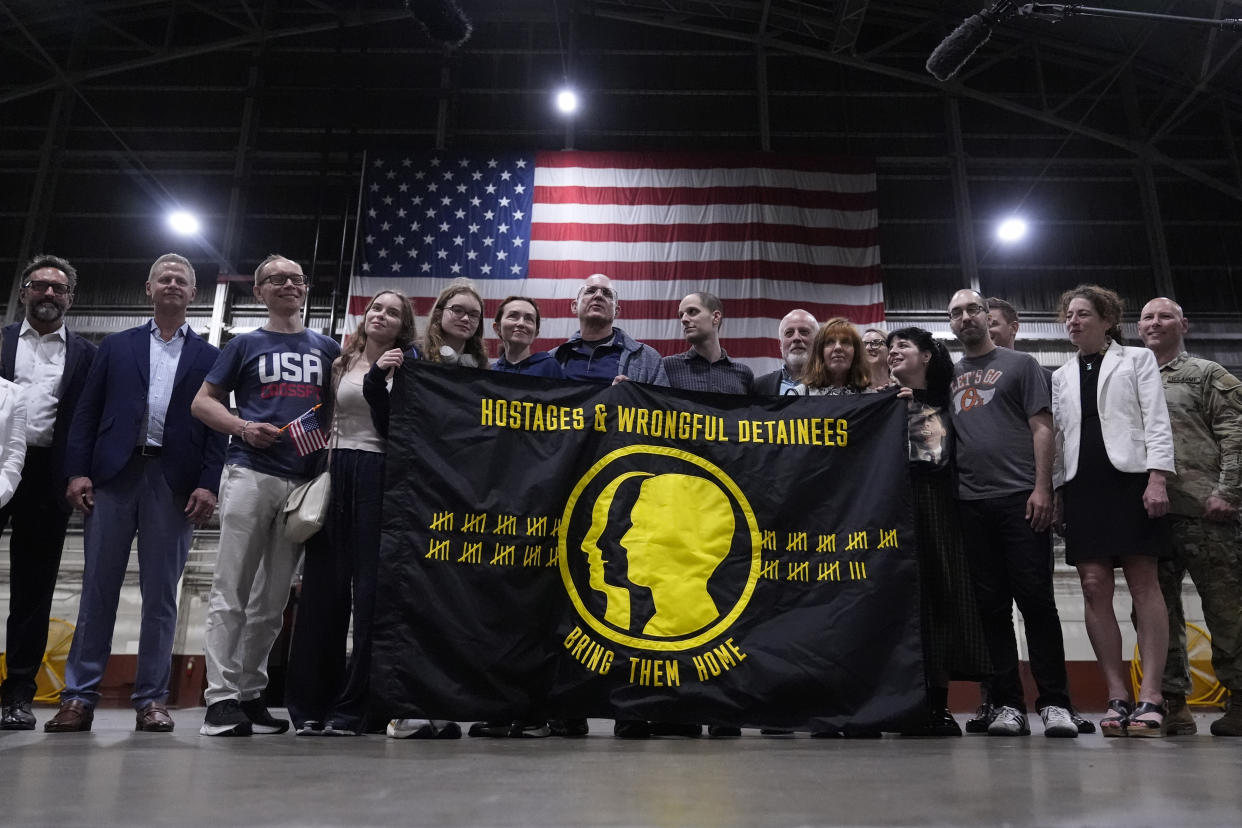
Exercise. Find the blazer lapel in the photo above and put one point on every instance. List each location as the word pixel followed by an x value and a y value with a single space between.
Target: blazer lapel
pixel 189 351
pixel 1107 365
pixel 73 355
pixel 1073 383
pixel 142 353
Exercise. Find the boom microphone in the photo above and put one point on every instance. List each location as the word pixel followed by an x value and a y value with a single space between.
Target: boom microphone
pixel 953 52
pixel 442 20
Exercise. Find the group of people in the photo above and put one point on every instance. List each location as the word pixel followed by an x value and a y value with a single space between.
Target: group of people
pixel 1133 454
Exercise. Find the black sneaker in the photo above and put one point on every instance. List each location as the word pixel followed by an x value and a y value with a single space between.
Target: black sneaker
pixel 723 732
pixel 631 729
pixel 688 731
pixel 983 718
pixel 569 728
pixel 1084 726
pixel 225 718
pixel 262 721
pixel 493 730
pixel 529 730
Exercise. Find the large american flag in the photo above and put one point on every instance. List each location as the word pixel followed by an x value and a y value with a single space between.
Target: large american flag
pixel 766 233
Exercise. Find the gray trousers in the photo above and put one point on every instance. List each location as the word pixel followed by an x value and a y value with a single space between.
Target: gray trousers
pixel 254 569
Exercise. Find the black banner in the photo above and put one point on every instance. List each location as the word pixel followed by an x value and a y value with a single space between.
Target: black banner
pixel 566 550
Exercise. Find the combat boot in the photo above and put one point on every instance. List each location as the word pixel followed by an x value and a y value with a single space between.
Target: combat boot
pixel 1178 721
pixel 1231 723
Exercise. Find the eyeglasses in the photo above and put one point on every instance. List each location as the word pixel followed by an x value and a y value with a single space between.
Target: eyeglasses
pixel 969 310
pixel 280 279
pixel 463 312
pixel 872 344
pixel 40 286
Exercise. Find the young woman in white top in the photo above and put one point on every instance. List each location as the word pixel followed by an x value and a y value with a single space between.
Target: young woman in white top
pixel 326 695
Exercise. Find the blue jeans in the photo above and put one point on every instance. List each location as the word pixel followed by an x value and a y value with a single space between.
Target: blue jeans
pixel 138 501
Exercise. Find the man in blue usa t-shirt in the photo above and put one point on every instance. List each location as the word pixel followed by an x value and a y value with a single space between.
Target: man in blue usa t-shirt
pixel 276 373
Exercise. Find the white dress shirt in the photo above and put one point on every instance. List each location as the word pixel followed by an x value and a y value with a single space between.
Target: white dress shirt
pixel 12 438
pixel 38 367
pixel 163 366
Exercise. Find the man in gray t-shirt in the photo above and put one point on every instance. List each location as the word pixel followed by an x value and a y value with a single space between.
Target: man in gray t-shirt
pixel 1004 464
pixel 995 396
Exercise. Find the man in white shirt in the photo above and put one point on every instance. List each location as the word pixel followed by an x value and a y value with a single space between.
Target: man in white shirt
pixel 50 364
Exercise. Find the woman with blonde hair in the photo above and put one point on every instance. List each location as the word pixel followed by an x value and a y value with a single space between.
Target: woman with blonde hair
pixel 326 695
pixel 1114 446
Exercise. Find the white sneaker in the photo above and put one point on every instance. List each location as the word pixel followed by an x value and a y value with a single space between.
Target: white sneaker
pixel 1057 722
pixel 1008 721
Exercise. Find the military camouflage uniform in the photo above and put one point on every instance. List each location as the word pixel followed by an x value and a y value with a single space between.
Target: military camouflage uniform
pixel 1205 406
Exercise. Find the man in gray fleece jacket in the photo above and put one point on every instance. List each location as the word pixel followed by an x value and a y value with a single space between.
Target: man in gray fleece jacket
pixel 600 351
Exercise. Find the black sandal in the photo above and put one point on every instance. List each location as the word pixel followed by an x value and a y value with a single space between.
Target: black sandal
pixel 1114 724
pixel 1145 727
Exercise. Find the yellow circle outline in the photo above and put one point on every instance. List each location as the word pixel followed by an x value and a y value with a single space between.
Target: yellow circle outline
pixel 645 643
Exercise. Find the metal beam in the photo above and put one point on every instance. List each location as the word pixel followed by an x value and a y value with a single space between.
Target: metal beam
pixel 961 194
pixel 956 88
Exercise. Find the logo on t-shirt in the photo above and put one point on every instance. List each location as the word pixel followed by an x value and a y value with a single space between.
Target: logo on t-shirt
pixel 974 389
pixel 290 374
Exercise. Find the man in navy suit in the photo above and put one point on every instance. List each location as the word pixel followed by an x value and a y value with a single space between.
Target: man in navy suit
pixel 50 363
pixel 138 463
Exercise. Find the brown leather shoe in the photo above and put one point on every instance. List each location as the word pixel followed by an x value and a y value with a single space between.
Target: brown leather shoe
pixel 154 718
pixel 74 716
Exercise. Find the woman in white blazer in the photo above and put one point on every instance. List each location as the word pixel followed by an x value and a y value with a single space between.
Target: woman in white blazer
pixel 1114 446
pixel 12 438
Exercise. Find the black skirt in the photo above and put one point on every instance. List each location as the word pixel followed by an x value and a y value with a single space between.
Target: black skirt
pixel 1103 508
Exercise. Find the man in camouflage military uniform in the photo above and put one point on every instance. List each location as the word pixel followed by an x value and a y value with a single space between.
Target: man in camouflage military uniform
pixel 1205 405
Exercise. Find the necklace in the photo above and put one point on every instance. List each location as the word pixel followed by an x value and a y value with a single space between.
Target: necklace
pixel 1089 362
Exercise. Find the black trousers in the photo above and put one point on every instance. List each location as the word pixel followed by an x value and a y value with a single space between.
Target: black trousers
pixel 341 564
pixel 1010 562
pixel 38 518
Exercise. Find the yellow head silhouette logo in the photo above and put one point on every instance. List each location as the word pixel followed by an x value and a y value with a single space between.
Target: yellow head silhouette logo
pixel 681 529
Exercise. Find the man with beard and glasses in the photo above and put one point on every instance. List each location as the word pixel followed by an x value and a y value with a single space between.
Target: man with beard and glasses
pixel 1002 416
pixel 50 363
pixel 794 336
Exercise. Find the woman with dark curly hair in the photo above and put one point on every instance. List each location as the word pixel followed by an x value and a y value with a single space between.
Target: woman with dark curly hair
pixel 1114 446
pixel 954 647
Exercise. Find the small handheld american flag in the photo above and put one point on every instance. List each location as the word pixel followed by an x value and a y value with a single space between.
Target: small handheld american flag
pixel 307 436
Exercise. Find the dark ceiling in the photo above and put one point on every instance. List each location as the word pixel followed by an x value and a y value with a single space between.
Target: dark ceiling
pixel 1121 136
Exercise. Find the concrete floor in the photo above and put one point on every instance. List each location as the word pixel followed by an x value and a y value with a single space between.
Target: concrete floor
pixel 114 776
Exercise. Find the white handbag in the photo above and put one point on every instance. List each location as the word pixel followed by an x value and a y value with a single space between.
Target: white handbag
pixel 306 508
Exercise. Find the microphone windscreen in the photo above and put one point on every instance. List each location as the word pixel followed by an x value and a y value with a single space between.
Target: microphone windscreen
pixel 442 20
pixel 956 49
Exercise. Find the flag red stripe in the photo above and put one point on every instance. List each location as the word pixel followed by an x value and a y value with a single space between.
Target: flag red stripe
pixel 703 160
pixel 697 271
pixel 669 233
pixel 752 348
pixel 660 309
pixel 822 199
